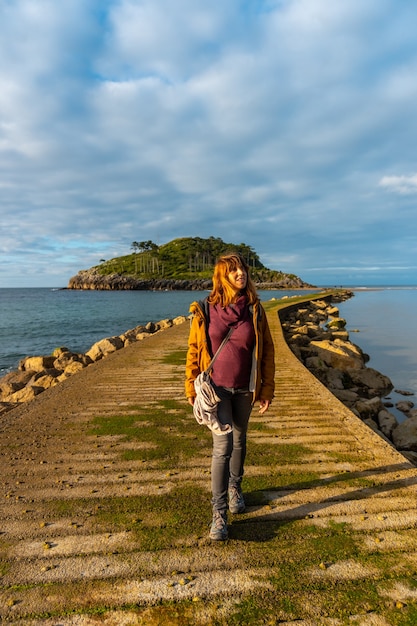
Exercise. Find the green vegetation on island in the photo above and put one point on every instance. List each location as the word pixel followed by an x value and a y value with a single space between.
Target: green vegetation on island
pixel 189 259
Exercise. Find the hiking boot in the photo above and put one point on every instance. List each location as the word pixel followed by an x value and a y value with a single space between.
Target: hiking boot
pixel 236 500
pixel 218 529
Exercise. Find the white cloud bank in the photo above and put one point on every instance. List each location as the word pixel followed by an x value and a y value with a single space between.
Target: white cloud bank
pixel 400 184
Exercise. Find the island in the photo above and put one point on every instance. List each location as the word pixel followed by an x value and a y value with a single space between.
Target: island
pixel 182 264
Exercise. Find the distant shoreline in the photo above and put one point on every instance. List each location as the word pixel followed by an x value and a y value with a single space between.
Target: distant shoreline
pixel 258 286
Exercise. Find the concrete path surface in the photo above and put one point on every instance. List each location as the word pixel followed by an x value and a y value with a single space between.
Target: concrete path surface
pixel 105 505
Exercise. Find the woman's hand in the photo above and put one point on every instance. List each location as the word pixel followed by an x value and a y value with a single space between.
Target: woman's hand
pixel 263 405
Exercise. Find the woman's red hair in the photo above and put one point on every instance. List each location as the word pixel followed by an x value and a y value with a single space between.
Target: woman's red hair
pixel 223 292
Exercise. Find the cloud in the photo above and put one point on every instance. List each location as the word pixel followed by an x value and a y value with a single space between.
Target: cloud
pixel 158 39
pixel 400 184
pixel 276 123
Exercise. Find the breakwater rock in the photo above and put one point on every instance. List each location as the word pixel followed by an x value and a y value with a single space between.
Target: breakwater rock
pixel 92 279
pixel 317 335
pixel 35 374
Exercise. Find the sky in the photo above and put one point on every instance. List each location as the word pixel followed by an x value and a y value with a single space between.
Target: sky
pixel 287 125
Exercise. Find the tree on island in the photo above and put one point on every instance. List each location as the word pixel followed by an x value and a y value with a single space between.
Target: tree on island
pixel 135 247
pixel 149 263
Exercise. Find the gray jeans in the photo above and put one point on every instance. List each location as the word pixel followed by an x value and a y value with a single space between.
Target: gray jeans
pixel 229 451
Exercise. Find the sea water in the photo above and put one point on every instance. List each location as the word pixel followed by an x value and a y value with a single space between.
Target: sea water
pixel 35 321
pixel 382 322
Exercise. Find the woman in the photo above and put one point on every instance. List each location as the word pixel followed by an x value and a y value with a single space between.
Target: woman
pixel 242 374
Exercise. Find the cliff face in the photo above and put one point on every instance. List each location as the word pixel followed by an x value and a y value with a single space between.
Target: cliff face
pixel 91 279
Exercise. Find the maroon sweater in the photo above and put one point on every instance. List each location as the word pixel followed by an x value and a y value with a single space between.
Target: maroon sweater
pixel 232 367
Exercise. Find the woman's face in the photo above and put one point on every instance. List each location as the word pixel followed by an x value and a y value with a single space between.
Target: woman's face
pixel 238 278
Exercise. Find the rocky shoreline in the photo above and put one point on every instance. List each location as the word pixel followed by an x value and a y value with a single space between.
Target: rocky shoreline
pixel 35 374
pixel 317 336
pixel 92 280
pixel 314 331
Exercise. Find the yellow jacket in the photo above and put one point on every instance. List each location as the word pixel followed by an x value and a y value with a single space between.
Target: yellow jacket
pixel 262 382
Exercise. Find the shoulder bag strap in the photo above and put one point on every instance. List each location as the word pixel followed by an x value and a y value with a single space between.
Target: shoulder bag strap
pixel 223 343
